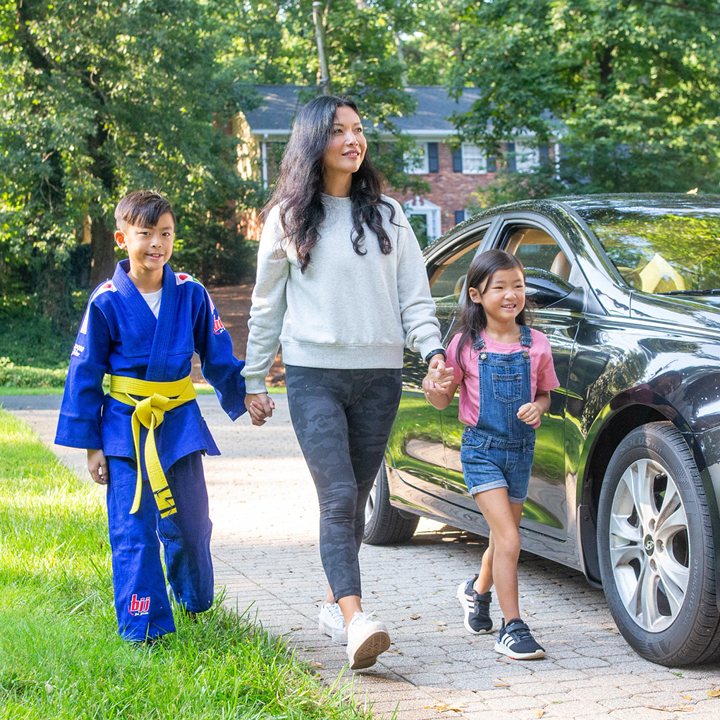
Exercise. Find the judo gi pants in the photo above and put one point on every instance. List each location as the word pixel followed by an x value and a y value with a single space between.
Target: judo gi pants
pixel 141 598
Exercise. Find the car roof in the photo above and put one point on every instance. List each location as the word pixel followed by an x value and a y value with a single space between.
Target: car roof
pixel 629 202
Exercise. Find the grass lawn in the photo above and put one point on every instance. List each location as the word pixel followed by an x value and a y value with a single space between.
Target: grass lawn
pixel 60 655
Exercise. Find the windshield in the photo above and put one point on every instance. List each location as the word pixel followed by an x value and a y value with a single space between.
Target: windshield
pixel 661 250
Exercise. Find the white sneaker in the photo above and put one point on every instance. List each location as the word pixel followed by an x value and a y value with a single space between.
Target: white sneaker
pixel 367 638
pixel 332 623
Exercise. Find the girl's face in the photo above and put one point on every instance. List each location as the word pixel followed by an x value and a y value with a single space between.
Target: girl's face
pixel 347 147
pixel 503 297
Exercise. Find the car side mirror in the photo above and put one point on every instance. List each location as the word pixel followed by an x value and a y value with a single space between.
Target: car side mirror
pixel 546 289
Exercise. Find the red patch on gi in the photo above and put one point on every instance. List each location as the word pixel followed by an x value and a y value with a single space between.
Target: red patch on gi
pixel 139 607
pixel 218 327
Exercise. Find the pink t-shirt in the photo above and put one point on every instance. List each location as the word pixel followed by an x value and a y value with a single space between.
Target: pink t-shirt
pixel 542 370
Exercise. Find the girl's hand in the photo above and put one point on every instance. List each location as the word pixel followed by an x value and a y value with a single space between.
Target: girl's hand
pixel 438 373
pixel 97 465
pixel 529 413
pixel 260 407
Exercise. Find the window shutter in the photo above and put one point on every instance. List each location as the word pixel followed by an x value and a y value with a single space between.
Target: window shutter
pixel 433 165
pixel 459 216
pixel 491 163
pixel 510 156
pixel 457 160
pixel 544 153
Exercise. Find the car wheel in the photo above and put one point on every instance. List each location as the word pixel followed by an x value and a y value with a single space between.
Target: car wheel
pixel 656 551
pixel 384 525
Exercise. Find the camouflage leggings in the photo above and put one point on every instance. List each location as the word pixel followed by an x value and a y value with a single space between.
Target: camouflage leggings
pixel 342 419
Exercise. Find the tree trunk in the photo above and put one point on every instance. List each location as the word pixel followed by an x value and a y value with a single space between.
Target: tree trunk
pixel 102 249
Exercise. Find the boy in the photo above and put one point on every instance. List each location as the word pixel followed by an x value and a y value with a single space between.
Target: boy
pixel 145 439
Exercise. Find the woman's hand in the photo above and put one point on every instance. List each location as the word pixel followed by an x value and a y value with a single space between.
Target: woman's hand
pixel 438 373
pixel 260 407
pixel 97 465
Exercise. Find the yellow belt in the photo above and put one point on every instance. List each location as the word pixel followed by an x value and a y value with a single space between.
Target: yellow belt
pixel 159 397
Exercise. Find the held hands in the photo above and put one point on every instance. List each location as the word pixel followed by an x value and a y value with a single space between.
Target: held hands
pixel 530 413
pixel 437 384
pixel 260 407
pixel 97 465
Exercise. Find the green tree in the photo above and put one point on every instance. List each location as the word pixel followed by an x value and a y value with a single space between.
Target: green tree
pixel 631 87
pixel 275 43
pixel 100 97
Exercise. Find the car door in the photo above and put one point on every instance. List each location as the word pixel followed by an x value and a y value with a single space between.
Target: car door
pixel 416 443
pixel 554 283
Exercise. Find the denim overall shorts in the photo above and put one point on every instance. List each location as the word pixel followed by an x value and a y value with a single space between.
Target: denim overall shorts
pixel 498 451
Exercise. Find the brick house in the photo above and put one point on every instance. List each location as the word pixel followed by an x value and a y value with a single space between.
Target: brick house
pixel 454 172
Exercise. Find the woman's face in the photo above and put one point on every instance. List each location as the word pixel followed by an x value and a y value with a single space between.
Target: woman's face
pixel 347 147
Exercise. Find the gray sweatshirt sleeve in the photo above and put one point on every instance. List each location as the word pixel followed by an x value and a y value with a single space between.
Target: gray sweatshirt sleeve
pixel 268 305
pixel 417 308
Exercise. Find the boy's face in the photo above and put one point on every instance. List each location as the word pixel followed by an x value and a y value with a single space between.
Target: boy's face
pixel 148 248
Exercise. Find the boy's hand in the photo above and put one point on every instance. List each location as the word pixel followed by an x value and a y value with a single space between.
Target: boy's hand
pixel 529 413
pixel 260 407
pixel 97 465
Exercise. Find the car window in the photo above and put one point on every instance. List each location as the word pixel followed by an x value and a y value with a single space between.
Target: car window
pixel 449 277
pixel 538 250
pixel 659 250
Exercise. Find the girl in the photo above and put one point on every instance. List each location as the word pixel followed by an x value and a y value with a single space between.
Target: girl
pixel 505 373
pixel 342 284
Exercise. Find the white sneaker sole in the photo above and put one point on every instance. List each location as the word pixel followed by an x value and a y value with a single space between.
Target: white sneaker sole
pixel 461 597
pixel 503 650
pixel 366 653
pixel 338 636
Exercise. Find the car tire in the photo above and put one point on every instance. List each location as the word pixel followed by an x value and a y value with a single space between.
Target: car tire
pixel 384 525
pixel 656 549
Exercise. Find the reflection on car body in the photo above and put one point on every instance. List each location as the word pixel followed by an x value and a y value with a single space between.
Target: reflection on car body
pixel 626 476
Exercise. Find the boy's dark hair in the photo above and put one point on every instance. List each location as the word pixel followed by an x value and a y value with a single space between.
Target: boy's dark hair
pixel 480 272
pixel 142 208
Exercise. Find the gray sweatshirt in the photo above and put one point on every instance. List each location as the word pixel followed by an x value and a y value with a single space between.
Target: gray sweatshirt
pixel 346 311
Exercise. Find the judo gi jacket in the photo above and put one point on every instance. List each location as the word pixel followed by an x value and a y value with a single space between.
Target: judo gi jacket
pixel 120 336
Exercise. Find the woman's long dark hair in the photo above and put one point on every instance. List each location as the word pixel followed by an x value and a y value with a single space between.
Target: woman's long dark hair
pixel 473 319
pixel 300 184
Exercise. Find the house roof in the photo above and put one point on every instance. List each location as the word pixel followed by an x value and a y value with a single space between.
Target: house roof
pixel 281 102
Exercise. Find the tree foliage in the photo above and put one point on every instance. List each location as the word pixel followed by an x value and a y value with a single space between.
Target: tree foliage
pixel 101 97
pixel 275 42
pixel 632 87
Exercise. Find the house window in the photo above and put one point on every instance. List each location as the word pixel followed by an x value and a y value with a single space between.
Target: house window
pixel 473 160
pixel 527 157
pixel 416 163
pixel 429 217
pixel 432 154
pixel 459 216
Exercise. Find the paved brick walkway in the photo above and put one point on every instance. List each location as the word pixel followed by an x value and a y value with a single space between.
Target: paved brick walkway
pixel 266 556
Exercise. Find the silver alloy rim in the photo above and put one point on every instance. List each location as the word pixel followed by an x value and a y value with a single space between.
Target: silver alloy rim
pixel 370 504
pixel 649 545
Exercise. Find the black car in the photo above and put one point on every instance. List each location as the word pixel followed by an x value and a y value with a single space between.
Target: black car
pixel 626 478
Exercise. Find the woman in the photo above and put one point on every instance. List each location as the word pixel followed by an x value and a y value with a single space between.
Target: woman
pixel 342 285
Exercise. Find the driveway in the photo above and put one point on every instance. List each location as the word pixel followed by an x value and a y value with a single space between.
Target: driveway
pixel 265 515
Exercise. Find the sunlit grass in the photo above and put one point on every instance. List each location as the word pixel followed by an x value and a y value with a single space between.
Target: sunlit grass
pixel 60 655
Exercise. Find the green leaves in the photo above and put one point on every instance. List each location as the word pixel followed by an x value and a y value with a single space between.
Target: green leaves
pixel 631 89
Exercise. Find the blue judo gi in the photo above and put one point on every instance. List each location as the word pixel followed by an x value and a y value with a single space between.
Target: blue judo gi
pixel 120 336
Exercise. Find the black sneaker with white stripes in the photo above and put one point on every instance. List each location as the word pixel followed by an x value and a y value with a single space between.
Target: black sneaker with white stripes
pixel 476 608
pixel 516 641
